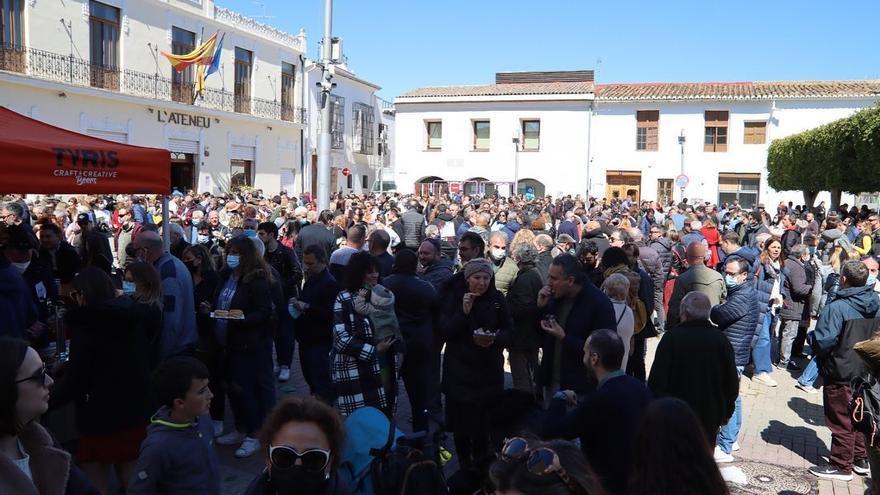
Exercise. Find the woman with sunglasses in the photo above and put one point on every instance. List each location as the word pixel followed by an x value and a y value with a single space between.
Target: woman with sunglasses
pixel 30 464
pixel 302 440
pixel 106 377
pixel 527 467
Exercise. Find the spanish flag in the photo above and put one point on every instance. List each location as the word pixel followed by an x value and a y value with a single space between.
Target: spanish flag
pixel 205 55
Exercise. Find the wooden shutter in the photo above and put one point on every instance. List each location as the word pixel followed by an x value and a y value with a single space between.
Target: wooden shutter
pixel 755 133
pixel 649 120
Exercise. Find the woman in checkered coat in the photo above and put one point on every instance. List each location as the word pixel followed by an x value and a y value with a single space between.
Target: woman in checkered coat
pixel 356 355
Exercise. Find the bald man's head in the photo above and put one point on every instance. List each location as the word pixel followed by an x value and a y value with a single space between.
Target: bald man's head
pixel 695 306
pixel 696 252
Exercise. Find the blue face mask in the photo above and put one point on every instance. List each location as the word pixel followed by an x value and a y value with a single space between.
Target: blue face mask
pixel 250 233
pixel 233 261
pixel 293 310
pixel 872 279
pixel 812 250
pixel 730 280
pixel 128 288
pixel 203 238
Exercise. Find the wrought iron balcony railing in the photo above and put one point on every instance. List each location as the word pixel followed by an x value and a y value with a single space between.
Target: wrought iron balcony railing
pixel 42 64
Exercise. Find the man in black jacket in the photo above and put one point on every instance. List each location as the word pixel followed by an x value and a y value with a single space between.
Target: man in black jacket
pixel 283 260
pixel 94 246
pixel 604 419
pixel 695 363
pixel 319 234
pixel 572 309
pixel 738 320
pixel 316 323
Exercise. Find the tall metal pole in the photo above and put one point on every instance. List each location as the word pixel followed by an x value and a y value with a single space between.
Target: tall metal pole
pixel 515 166
pixel 681 141
pixel 324 144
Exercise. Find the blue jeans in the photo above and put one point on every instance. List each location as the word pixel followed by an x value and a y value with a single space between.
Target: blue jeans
pixel 246 381
pixel 810 375
pixel 728 433
pixel 761 346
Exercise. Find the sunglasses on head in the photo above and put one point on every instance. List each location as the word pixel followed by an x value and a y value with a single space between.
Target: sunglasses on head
pixel 285 457
pixel 541 461
pixel 39 377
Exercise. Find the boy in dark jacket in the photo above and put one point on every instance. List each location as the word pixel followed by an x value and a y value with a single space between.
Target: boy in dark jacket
pixel 177 456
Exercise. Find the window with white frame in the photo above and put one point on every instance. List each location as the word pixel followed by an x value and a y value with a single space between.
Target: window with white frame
pixel 362 128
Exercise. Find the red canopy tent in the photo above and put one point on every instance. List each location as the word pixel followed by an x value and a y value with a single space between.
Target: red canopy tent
pixel 43 159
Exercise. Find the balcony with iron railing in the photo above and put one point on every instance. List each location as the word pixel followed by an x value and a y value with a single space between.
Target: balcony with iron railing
pixel 67 69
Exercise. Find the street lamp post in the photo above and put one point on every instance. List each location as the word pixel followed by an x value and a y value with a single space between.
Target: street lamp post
pixel 517 139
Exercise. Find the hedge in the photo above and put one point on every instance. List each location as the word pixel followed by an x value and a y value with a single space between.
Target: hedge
pixel 843 155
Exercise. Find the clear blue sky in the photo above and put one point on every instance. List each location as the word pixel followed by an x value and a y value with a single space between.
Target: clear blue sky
pixel 405 44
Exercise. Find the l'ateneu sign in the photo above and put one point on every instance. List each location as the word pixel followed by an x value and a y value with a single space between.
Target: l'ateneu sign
pixel 183 119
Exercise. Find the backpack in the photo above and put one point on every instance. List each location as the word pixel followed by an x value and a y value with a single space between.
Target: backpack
pixel 865 407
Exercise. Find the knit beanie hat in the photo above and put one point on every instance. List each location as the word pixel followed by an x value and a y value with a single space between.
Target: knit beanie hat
pixel 477 265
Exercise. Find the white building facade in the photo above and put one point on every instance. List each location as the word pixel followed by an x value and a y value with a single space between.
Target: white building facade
pixel 361 130
pixel 96 68
pixel 613 140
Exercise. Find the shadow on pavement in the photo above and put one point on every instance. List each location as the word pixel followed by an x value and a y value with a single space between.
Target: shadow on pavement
pixel 800 440
pixel 811 413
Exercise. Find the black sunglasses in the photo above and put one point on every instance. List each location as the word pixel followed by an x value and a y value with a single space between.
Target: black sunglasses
pixel 313 460
pixel 39 377
pixel 540 461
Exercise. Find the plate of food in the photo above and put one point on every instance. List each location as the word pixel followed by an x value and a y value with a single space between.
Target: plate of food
pixel 231 314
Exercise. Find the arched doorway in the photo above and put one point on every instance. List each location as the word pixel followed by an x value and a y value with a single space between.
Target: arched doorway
pixel 475 185
pixel 531 188
pixel 430 185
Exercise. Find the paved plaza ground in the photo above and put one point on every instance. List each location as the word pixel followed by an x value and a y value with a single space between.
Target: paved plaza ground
pixel 783 434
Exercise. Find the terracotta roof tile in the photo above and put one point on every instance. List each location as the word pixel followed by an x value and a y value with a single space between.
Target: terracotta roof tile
pixel 737 90
pixel 549 88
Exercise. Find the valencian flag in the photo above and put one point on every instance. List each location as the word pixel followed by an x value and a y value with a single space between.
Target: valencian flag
pixel 205 55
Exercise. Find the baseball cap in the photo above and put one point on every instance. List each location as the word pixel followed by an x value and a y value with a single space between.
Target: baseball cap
pixel 83 218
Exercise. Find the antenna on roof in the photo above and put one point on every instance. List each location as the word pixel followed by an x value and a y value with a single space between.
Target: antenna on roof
pixel 263 9
pixel 596 70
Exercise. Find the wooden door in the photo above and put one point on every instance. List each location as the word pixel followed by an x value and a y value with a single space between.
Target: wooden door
pixel 619 185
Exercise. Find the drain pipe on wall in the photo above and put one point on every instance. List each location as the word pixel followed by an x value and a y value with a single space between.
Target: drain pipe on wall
pixel 589 148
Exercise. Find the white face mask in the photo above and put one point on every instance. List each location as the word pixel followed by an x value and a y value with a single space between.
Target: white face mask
pixel 21 267
pixel 498 253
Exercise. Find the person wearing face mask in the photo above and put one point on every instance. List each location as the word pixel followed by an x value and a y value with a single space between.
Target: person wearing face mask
pixel 505 267
pixel 245 286
pixel 179 334
pixel 42 288
pixel 737 319
pixel 111 406
pixel 796 290
pixel 303 440
pixel 873 268
pixel 143 286
pixel 30 464
pixel 201 266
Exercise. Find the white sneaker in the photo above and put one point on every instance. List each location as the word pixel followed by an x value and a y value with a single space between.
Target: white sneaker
pixel 248 447
pixel 807 388
pixel 284 374
pixel 231 438
pixel 764 379
pixel 218 428
pixel 734 447
pixel 721 457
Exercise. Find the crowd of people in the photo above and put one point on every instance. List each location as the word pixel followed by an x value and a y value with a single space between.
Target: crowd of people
pixel 430 298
